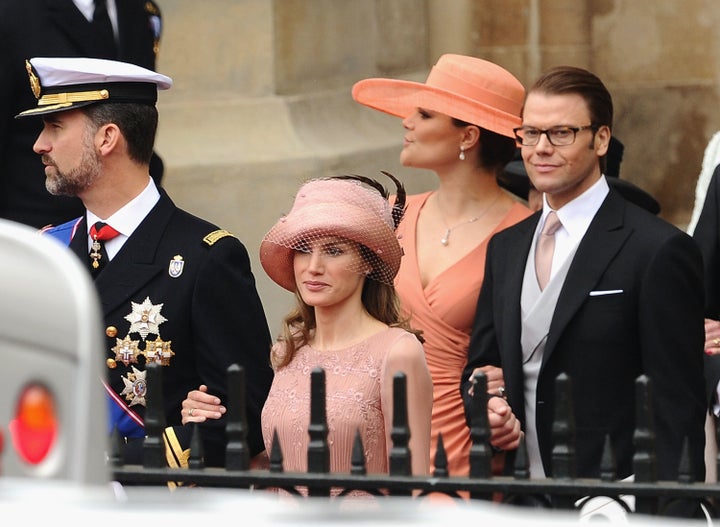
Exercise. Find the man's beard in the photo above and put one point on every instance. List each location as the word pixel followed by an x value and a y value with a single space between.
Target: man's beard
pixel 74 181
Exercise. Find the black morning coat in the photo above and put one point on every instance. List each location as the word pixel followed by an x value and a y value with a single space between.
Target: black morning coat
pixel 631 304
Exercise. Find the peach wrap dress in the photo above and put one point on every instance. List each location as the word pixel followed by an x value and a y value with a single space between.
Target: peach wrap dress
pixel 445 310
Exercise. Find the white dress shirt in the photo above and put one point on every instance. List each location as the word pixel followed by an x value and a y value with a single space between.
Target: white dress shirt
pixel 575 217
pixel 127 219
pixel 87 8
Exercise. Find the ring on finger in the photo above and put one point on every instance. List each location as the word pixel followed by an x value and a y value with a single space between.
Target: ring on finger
pixel 190 413
pixel 716 341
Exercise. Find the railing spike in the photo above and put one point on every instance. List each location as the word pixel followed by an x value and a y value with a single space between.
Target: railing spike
pixel 357 460
pixel 237 452
pixel 563 430
pixel 154 445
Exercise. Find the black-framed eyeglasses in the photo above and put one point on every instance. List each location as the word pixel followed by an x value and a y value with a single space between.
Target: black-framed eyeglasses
pixel 557 135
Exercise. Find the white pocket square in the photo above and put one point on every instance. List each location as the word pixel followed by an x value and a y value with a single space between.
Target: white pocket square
pixel 607 292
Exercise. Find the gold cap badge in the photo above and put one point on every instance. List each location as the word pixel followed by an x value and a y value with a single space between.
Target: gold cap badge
pixel 34 81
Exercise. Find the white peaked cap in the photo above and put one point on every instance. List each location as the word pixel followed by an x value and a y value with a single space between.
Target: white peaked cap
pixel 62 83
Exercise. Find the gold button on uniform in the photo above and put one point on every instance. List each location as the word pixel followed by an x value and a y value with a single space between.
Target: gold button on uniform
pixel 111 331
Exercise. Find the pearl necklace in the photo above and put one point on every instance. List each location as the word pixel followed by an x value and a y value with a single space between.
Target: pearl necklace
pixel 445 240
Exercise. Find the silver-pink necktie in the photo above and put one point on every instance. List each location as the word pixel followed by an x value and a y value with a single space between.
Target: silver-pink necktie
pixel 545 249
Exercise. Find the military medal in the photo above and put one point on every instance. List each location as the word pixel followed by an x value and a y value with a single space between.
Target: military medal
pixel 95 253
pixel 145 318
pixel 175 268
pixel 158 351
pixel 135 387
pixel 126 351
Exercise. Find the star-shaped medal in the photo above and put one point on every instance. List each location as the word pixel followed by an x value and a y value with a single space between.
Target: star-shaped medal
pixel 159 351
pixel 145 318
pixel 126 350
pixel 135 387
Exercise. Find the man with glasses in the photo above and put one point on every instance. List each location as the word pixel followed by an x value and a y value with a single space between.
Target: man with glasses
pixel 623 297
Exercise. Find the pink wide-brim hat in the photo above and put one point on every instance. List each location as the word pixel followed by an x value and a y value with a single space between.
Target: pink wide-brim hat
pixel 332 207
pixel 468 88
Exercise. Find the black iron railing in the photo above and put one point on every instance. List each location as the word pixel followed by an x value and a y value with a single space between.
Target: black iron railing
pixel 562 491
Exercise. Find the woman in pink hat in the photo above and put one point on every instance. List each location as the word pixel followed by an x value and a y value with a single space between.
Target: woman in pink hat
pixel 459 124
pixel 337 250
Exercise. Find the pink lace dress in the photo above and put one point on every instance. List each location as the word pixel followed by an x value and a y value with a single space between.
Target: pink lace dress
pixel 354 378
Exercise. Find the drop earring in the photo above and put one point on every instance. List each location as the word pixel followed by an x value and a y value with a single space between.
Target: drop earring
pixel 462 153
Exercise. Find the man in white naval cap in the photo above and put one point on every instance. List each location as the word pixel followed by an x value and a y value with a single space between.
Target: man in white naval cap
pixel 175 289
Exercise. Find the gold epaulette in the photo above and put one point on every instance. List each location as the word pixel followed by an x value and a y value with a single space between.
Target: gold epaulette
pixel 151 8
pixel 214 236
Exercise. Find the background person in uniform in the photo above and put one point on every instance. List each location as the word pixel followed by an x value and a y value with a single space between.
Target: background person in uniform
pixel 175 289
pixel 338 252
pixel 57 28
pixel 459 124
pixel 624 297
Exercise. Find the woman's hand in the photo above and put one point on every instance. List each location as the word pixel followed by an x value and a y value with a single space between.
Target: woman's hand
pixel 199 406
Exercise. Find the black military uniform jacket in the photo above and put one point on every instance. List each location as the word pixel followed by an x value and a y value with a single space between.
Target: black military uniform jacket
pixel 184 288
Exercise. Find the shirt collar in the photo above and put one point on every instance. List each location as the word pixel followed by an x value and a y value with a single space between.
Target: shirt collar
pixel 87 8
pixel 576 215
pixel 127 219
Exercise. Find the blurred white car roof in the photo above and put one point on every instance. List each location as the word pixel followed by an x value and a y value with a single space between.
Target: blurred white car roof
pixel 112 505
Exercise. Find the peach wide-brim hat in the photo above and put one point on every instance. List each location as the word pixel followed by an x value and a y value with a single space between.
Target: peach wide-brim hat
pixel 333 207
pixel 468 88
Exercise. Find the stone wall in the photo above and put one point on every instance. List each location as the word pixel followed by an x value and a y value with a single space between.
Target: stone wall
pixel 262 91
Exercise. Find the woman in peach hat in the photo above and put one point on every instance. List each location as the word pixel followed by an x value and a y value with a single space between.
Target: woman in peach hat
pixel 459 124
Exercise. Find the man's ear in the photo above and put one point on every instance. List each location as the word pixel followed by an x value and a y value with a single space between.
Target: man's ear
pixel 107 138
pixel 602 140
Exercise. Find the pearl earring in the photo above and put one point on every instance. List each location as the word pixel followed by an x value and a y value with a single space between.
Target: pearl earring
pixel 462 153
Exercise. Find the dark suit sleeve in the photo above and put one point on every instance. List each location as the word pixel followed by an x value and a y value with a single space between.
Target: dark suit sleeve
pixel 671 329
pixel 483 348
pixel 707 236
pixel 230 327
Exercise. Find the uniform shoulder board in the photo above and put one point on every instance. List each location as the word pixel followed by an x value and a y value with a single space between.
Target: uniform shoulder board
pixel 152 8
pixel 214 236
pixel 156 26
